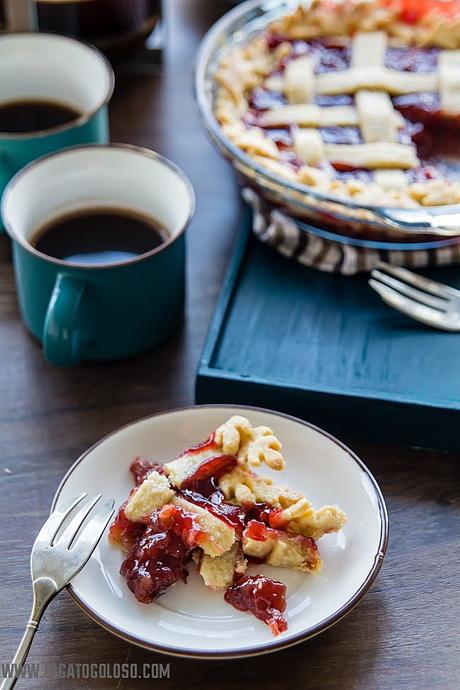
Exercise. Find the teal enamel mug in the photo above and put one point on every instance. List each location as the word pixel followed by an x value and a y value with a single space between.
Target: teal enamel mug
pixel 99 311
pixel 37 67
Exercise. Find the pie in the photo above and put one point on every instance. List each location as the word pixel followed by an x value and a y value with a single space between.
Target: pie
pixel 357 100
pixel 210 508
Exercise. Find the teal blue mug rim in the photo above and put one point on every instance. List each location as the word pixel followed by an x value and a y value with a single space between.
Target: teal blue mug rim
pixel 140 150
pixel 84 117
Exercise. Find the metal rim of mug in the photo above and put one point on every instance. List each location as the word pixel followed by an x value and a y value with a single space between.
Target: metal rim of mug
pixel 142 151
pixel 84 117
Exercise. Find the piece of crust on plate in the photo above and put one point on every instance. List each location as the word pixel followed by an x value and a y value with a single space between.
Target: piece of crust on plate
pixel 219 572
pixel 217 536
pixel 154 492
pixel 280 549
pixel 234 442
pixel 291 510
pixel 241 486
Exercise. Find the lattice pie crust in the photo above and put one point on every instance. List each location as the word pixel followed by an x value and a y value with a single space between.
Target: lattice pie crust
pixel 222 550
pixel 367 29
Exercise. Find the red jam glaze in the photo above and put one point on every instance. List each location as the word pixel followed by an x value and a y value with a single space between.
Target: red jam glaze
pixel 426 126
pixel 234 516
pixel 258 531
pixel 275 520
pixel 140 468
pixel 157 560
pixel 262 512
pixel 261 596
pixel 206 487
pixel 208 443
pixel 123 532
pixel 212 468
pixel 329 54
pixel 183 524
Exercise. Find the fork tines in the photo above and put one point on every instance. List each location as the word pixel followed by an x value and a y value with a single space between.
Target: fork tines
pixel 69 537
pixel 425 300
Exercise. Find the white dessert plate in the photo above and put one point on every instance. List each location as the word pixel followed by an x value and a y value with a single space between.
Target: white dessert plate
pixel 192 621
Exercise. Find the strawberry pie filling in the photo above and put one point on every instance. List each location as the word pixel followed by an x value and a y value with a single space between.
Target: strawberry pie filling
pixel 434 133
pixel 178 513
pixel 263 597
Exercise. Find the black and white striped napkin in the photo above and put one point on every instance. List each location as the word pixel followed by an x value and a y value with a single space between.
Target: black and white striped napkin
pixel 281 232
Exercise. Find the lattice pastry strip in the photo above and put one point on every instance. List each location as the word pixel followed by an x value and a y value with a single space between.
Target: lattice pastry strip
pixel 218 537
pixel 280 549
pixel 373 113
pixel 373 156
pixel 376 116
pixel 154 492
pixel 296 515
pixel 303 519
pixel 311 115
pixel 377 155
pixel 309 146
pixel 390 179
pixel 449 81
pixel 299 80
pixel 367 71
pixel 369 48
pixel 219 572
pixel 379 78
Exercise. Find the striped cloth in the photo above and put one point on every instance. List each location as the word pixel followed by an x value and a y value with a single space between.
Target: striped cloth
pixel 282 233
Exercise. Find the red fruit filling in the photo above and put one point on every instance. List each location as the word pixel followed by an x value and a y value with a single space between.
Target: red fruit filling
pixel 434 134
pixel 160 547
pixel 260 532
pixel 412 11
pixel 208 472
pixel 158 559
pixel 234 516
pixel 266 514
pixel 264 598
pixel 140 468
pixel 208 443
pixel 124 532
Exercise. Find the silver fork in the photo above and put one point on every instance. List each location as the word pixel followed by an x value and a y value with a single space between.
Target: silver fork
pixel 58 554
pixel 424 300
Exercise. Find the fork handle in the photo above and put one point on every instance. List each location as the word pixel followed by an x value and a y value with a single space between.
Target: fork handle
pixel 44 590
pixel 21 655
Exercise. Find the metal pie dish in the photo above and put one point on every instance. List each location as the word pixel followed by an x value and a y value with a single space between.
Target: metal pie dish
pixel 345 219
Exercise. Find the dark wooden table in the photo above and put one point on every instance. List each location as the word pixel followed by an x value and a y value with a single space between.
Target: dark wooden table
pixel 404 635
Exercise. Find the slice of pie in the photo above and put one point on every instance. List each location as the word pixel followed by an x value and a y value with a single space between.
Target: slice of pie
pixel 355 99
pixel 210 507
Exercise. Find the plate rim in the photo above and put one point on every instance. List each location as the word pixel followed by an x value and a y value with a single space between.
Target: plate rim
pixel 277 644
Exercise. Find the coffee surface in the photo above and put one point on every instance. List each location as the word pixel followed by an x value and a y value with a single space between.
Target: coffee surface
pixel 22 116
pixel 99 236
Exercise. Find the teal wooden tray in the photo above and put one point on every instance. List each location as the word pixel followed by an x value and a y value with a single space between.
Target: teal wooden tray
pixel 325 348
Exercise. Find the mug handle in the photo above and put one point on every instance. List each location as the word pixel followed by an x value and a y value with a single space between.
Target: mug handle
pixel 62 343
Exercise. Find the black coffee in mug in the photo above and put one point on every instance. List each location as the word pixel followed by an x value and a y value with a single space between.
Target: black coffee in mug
pixel 99 236
pixel 30 115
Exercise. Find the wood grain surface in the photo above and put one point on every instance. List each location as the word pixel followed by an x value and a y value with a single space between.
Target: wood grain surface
pixel 403 635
